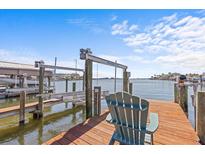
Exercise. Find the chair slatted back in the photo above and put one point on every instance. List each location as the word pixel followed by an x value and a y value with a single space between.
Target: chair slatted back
pixel 129 115
pixel 136 117
pixel 111 102
pixel 122 118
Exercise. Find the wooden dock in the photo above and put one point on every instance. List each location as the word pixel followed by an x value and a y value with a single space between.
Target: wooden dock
pixel 30 107
pixel 174 128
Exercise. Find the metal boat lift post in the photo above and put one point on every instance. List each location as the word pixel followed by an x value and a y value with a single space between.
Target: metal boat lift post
pixel 86 54
pixel 39 112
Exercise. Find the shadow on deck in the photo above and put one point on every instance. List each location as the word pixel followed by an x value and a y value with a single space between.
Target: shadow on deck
pixel 174 128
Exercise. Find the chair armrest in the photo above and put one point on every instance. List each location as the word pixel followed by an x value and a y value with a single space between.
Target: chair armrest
pixel 154 123
pixel 151 127
pixel 109 118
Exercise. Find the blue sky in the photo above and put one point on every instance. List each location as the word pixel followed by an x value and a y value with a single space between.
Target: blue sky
pixel 147 41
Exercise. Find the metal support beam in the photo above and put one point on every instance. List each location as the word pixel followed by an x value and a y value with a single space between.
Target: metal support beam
pixel 62 68
pixel 85 54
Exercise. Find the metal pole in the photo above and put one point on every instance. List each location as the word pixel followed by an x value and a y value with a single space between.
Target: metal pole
pixel 97 74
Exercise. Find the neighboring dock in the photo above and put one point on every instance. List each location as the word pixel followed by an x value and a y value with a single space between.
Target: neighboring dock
pixel 76 98
pixel 174 128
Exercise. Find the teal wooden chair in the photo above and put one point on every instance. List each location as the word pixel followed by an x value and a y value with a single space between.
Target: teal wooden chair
pixel 129 115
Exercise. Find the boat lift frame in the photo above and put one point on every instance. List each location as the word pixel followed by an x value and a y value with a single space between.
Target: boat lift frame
pixel 86 54
pixel 42 66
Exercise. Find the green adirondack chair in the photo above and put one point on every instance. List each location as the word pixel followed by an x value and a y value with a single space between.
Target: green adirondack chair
pixel 129 115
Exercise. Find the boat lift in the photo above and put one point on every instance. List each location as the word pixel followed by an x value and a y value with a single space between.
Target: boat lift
pixel 42 67
pixel 86 54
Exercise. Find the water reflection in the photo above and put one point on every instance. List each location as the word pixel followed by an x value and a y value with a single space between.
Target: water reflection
pixel 39 131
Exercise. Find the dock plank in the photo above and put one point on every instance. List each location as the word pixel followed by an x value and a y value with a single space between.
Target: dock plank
pixel 174 128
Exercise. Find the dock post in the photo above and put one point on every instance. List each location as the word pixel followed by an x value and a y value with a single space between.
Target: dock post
pixel 97 101
pixel 39 112
pixel 25 84
pixel 16 79
pixel 126 76
pixel 21 81
pixel 130 88
pixel 22 108
pixel 66 85
pixel 88 88
pixel 176 93
pixel 49 82
pixel 74 87
pixel 200 116
pixel 193 99
pixel 183 97
pixel 74 90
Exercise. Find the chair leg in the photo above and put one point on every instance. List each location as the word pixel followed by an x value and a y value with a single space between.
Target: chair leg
pixel 112 141
pixel 152 139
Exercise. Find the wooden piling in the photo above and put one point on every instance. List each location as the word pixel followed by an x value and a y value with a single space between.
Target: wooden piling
pixel 97 101
pixel 22 107
pixel 193 99
pixel 200 116
pixel 74 86
pixel 74 94
pixel 183 97
pixel 49 82
pixel 176 93
pixel 83 86
pixel 21 81
pixel 39 112
pixel 130 88
pixel 88 87
pixel 66 85
pixel 125 80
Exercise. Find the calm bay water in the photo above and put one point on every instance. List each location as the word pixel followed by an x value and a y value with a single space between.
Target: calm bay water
pixel 61 117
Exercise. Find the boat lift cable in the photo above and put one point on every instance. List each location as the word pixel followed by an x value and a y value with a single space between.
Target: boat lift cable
pixel 54 75
pixel 97 73
pixel 115 77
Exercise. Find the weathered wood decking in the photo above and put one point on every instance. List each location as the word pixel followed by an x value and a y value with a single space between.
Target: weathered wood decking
pixel 174 128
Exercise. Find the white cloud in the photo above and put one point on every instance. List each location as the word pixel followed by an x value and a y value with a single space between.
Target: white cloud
pixel 171 18
pixel 86 23
pixel 114 17
pixel 173 40
pixel 124 59
pixel 123 28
